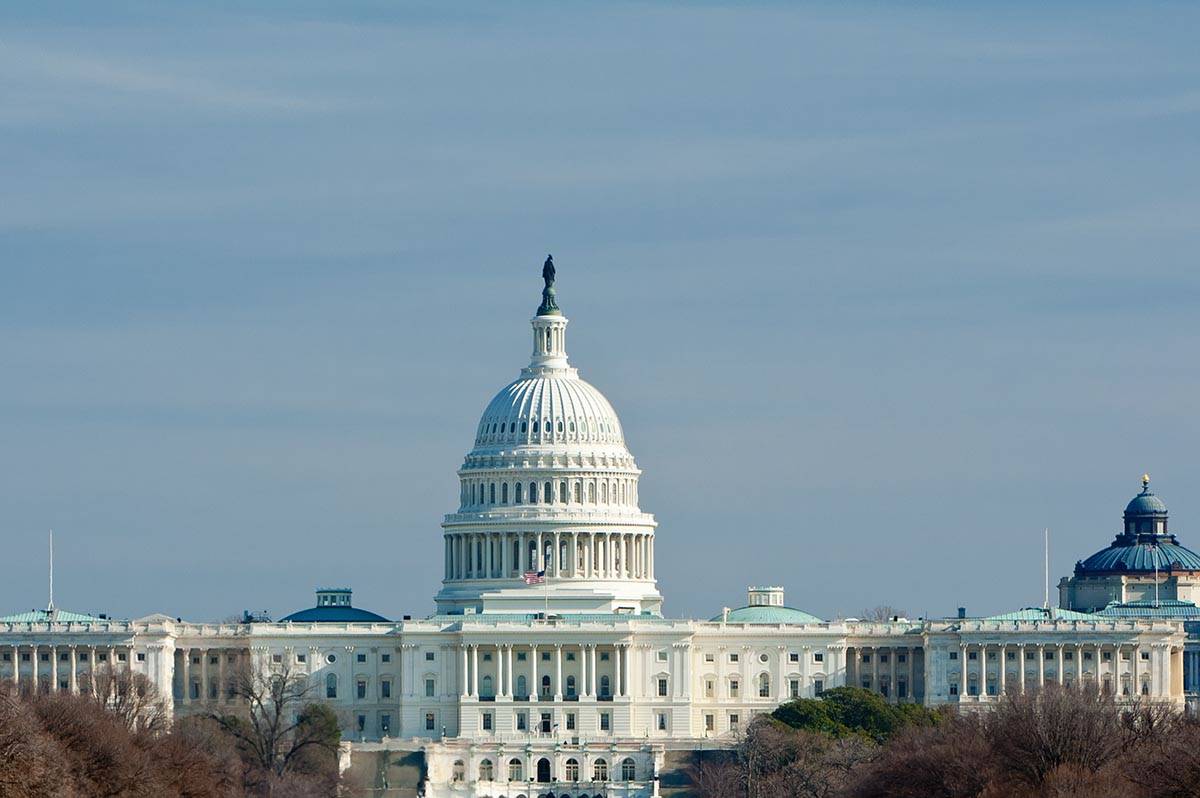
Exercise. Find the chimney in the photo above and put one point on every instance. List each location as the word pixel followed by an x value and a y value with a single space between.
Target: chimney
pixel 962 612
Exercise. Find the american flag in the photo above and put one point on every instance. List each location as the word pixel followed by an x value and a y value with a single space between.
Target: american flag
pixel 534 577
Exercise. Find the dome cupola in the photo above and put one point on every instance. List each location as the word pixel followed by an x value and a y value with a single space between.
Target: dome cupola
pixel 1144 545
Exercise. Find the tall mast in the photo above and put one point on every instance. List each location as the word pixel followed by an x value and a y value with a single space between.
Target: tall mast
pixel 50 606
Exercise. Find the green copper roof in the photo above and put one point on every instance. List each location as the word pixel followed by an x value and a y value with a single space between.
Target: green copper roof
pixel 55 616
pixel 1041 614
pixel 1167 608
pixel 768 615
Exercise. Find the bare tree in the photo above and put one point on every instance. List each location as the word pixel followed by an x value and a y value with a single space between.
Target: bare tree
pixel 280 728
pixel 882 612
pixel 130 696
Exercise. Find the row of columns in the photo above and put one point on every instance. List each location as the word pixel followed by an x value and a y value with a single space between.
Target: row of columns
pixel 893 672
pixel 190 674
pixel 73 660
pixel 1057 659
pixel 587 657
pixel 573 555
pixel 605 493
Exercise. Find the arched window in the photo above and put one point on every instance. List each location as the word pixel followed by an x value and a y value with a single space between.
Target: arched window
pixel 460 770
pixel 605 689
pixel 591 492
pixel 576 492
pixel 547 555
pixel 517 493
pixel 548 494
pixel 600 770
pixel 485 688
pixel 628 769
pixel 533 493
pixel 548 344
pixel 545 686
pixel 570 686
pixel 604 493
pixel 522 687
pixel 504 493
pixel 562 555
pixel 572 769
pixel 331 685
pixel 515 771
pixel 764 685
pixel 472 493
pixel 562 492
pixel 516 555
pixel 486 772
pixel 492 493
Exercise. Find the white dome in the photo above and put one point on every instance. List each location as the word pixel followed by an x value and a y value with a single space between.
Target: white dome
pixel 549 409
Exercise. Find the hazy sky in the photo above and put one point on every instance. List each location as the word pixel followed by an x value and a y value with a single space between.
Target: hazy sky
pixel 878 290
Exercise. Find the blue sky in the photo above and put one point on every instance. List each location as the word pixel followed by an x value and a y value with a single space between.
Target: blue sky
pixel 879 290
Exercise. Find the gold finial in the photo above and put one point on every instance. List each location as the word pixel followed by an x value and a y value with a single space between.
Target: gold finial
pixel 1145 481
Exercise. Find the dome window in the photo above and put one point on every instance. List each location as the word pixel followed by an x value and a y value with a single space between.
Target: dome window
pixel 512 427
pixel 572 427
pixel 560 427
pixel 547 425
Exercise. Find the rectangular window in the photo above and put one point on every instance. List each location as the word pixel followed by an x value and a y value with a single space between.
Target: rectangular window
pixel 121 657
pixel 1010 656
pixel 387 657
pixel 1145 655
pixel 972 655
pixel 662 721
pixel 1050 656
pixel 522 722
pixel 430 688
pixel 487 721
pixel 570 721
pixel 953 655
pixel 362 657
pixel 794 688
pixel 733 722
pixel 883 657
pixel 904 658
pixel 605 723
pixel 7 657
pixel 277 658
pixel 661 656
pixel 385 724
pixel 1087 656
pixel 953 688
pixel 708 688
pixel 733 657
pixel 1068 656
pixel 818 686
pixel 866 657
pixel 709 723
pixel 662 687
pixel 604 656
pixel 301 658
pixel 1030 656
pixel 710 657
pixel 734 686
pixel 141 656
pixel 1106 656
pixel 429 656
pixel 429 721
pixel 385 688
pixel 361 688
pixel 362 722
pixel 545 656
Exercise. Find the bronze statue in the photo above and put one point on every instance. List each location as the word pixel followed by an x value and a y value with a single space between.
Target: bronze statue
pixel 549 305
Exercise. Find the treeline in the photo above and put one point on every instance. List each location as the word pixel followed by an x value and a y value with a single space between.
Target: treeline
pixel 1060 743
pixel 115 741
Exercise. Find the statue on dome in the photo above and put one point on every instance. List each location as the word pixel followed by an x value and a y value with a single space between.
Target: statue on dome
pixel 549 306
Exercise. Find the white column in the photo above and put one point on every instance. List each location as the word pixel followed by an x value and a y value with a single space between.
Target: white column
pixel 962 687
pixel 558 679
pixel 1041 665
pixel 534 686
pixel 92 667
pixel 1021 657
pixel 1003 669
pixel 54 669
pixel 1133 671
pixel 592 670
pixel 508 671
pixel 466 684
pixel 625 670
pixel 583 670
pixel 17 668
pixel 204 674
pixel 1062 663
pixel 475 670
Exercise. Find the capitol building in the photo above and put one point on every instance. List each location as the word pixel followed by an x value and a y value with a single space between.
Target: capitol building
pixel 548 667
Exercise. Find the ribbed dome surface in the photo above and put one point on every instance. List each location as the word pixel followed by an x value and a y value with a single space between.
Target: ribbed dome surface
pixel 549 409
pixel 1141 557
